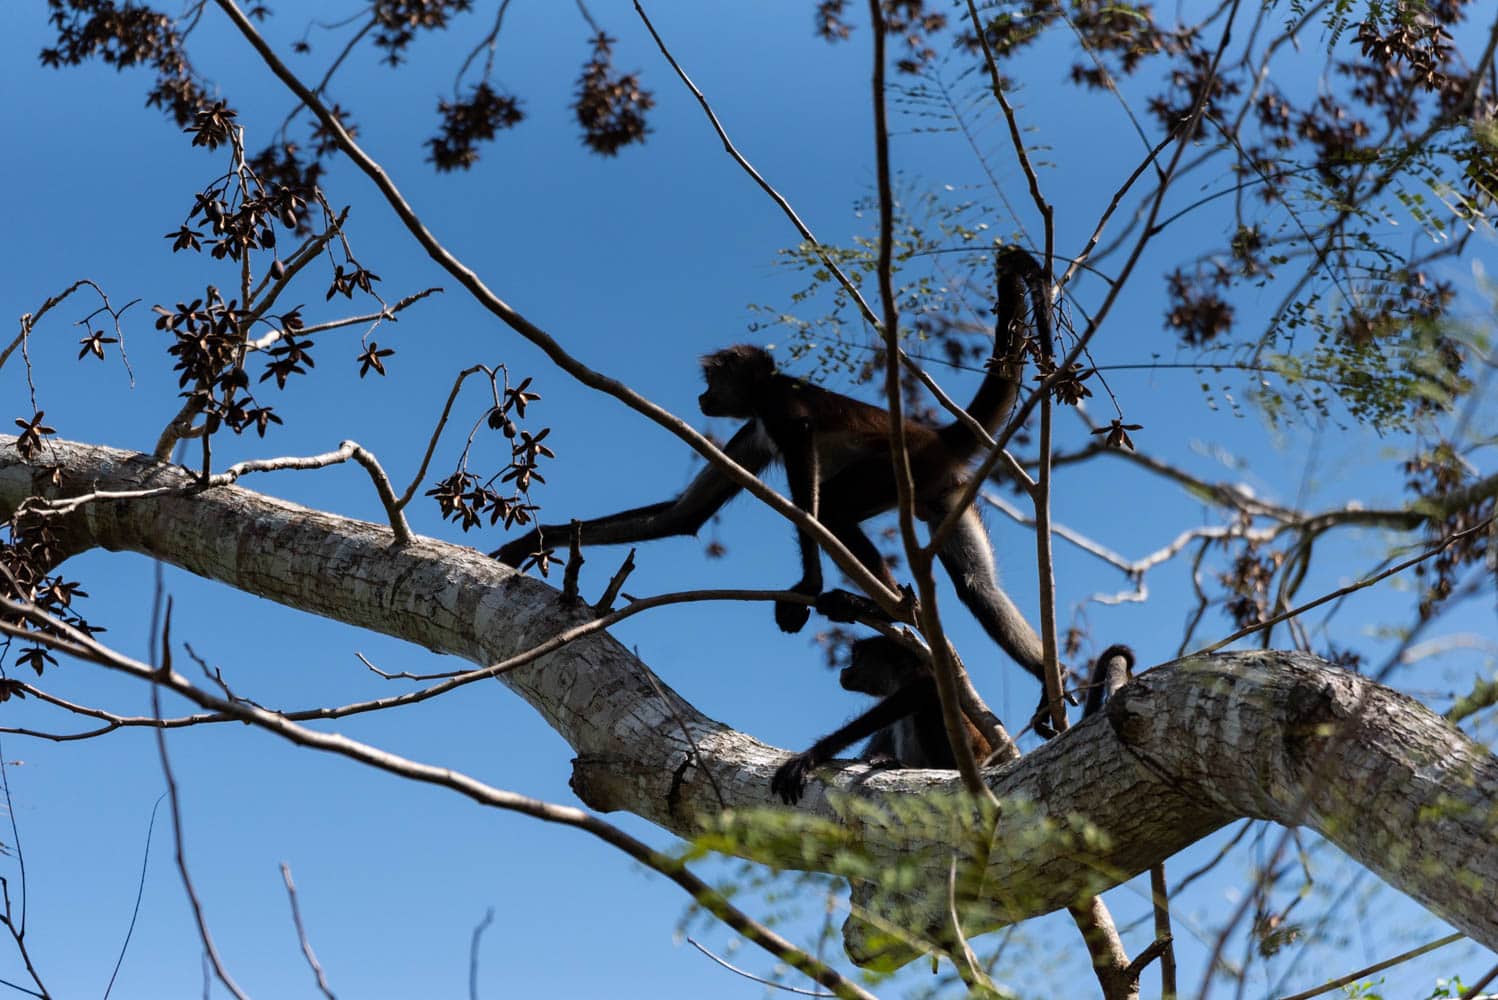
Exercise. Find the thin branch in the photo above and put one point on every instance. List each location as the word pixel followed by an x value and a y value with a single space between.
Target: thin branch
pixel 599 624
pixel 29 320
pixel 969 969
pixel 944 667
pixel 140 892
pixel 17 928
pixel 1164 937
pixel 616 582
pixel 449 680
pixel 447 408
pixel 386 312
pixel 1051 678
pixel 1474 991
pixel 50 507
pixel 1388 963
pixel 1080 260
pixel 69 640
pixel 301 933
pixel 1155 949
pixel 160 676
pixel 15 839
pixel 266 296
pixel 1016 140
pixel 855 295
pixel 753 978
pixel 1369 581
pixel 473 944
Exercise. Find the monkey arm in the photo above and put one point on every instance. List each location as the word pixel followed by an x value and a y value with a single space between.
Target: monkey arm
pixel 685 514
pixel 917 696
pixel 881 748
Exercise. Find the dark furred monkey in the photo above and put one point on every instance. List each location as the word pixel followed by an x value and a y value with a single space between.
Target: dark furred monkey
pixel 906 726
pixel 836 453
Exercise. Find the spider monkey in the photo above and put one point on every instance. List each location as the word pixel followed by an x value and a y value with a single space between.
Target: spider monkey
pixel 906 727
pixel 837 458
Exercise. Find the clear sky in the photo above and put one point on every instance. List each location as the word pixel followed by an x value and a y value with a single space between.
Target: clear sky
pixel 638 264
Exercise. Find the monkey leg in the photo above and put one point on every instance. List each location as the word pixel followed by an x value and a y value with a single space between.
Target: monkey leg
pixel 968 558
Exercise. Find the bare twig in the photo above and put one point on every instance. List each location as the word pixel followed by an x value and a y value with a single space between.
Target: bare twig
pixel 1368 581
pixel 449 680
pixel 855 295
pixel 44 507
pixel 447 409
pixel 301 933
pixel 66 639
pixel 1016 140
pixel 1164 938
pixel 969 969
pixel 387 312
pixel 753 978
pixel 159 676
pixel 17 925
pixel 944 667
pixel 140 891
pixel 1388 963
pixel 29 320
pixel 1051 678
pixel 606 602
pixel 473 949
pixel 1474 991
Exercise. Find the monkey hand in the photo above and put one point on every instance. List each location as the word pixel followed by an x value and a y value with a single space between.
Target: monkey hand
pixel 1041 723
pixel 790 779
pixel 793 617
pixel 1041 720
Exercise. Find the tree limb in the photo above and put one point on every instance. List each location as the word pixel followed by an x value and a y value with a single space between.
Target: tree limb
pixel 1180 751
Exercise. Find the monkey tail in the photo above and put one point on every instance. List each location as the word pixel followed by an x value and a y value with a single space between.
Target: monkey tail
pixel 1112 669
pixel 1018 276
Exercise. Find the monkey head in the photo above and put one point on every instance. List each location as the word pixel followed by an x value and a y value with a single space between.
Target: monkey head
pixel 734 376
pixel 879 666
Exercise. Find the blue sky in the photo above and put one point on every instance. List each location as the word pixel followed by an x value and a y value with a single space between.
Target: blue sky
pixel 638 264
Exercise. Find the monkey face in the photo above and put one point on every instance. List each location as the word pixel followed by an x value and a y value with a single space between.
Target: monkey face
pixel 721 400
pixel 878 666
pixel 734 376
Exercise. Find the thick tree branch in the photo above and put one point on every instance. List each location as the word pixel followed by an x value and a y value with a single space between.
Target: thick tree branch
pixel 1179 753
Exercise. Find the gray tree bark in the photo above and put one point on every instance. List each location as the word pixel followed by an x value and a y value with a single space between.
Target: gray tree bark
pixel 1182 750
